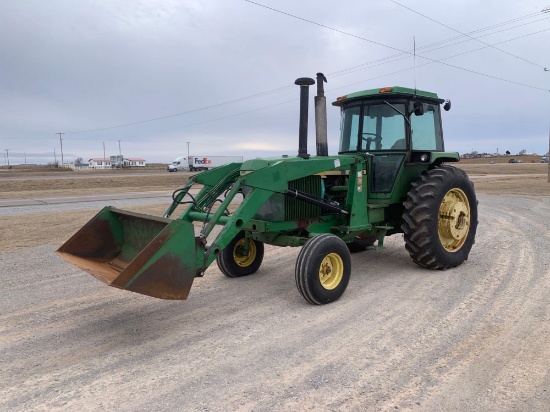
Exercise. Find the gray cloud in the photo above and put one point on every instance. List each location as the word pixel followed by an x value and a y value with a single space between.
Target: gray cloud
pixel 75 66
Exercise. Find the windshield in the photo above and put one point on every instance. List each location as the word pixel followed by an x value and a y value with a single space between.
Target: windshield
pixel 377 127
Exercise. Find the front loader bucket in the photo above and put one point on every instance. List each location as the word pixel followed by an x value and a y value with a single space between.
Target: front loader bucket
pixel 150 255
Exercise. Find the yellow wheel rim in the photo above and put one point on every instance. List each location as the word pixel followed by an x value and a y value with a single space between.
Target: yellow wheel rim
pixel 242 259
pixel 454 220
pixel 331 271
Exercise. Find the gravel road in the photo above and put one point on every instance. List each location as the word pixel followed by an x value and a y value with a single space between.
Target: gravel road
pixel 475 338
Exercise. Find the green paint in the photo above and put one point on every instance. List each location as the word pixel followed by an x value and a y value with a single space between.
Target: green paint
pixel 369 187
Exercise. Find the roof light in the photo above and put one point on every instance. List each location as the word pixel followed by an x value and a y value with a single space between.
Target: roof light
pixel 341 98
pixel 385 90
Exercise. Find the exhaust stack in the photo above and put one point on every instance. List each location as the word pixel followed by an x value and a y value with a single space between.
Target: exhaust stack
pixel 304 83
pixel 321 117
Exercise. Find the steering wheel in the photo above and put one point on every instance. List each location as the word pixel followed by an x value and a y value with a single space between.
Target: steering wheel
pixel 377 139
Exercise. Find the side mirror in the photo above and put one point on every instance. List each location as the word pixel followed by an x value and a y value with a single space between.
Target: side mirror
pixel 418 109
pixel 447 105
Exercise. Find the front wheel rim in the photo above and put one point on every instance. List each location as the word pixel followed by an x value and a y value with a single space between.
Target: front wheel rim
pixel 241 259
pixel 454 220
pixel 331 271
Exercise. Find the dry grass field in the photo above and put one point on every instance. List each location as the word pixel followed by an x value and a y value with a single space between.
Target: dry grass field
pixel 509 178
pixel 499 178
pixel 29 230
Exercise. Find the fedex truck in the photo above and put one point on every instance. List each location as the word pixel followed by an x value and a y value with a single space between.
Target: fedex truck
pixel 199 163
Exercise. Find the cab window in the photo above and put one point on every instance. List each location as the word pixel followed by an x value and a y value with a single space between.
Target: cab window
pixel 426 129
pixel 377 127
pixel 383 127
pixel 350 129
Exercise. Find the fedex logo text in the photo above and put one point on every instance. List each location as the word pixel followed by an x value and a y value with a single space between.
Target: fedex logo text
pixel 204 161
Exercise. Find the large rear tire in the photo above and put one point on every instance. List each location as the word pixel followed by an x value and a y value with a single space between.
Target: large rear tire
pixel 323 269
pixel 440 218
pixel 235 263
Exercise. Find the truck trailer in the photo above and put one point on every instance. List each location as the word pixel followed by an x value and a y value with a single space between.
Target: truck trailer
pixel 201 163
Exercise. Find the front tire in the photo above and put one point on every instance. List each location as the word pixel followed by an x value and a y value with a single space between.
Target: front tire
pixel 440 218
pixel 323 269
pixel 235 263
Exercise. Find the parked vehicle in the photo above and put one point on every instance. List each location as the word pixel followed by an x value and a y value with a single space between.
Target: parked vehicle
pixel 201 163
pixel 385 180
pixel 544 159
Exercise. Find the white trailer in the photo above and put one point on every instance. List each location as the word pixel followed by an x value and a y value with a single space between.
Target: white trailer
pixel 199 163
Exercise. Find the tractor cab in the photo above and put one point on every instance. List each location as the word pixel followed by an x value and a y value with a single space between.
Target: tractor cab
pixel 393 126
pixel 390 119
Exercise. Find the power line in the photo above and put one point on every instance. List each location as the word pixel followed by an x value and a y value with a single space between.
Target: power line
pixel 391 47
pixel 182 113
pixel 337 73
pixel 464 34
pixel 333 89
pixel 374 42
pixel 367 65
pixel 326 27
pixel 504 23
pixel 348 85
pixel 341 87
pixel 431 47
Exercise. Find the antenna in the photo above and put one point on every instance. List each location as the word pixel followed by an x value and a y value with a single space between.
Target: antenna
pixel 414 63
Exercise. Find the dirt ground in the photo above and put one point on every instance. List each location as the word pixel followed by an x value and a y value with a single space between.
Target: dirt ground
pixel 474 338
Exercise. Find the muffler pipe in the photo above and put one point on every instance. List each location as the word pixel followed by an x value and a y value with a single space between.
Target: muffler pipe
pixel 321 117
pixel 304 83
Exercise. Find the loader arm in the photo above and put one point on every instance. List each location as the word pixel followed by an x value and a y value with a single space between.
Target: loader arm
pixel 160 257
pixel 263 180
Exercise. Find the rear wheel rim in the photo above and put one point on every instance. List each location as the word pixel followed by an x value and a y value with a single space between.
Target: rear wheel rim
pixel 454 220
pixel 331 271
pixel 241 259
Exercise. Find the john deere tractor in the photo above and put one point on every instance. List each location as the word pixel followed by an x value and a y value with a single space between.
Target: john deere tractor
pixel 391 175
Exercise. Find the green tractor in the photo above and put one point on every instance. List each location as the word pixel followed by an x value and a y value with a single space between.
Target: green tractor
pixel 390 176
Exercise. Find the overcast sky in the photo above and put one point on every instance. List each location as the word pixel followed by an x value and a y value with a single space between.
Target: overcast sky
pixel 220 73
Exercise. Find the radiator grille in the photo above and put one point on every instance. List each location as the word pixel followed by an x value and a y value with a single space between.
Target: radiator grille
pixel 298 209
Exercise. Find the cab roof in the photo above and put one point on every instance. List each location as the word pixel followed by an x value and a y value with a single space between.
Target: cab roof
pixel 390 92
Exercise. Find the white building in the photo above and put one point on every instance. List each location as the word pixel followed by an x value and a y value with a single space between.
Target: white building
pixel 134 162
pixel 99 163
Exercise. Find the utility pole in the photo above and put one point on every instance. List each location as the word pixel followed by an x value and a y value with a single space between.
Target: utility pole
pixel 8 156
pixel 104 159
pixel 61 142
pixel 121 160
pixel 548 153
pixel 187 150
